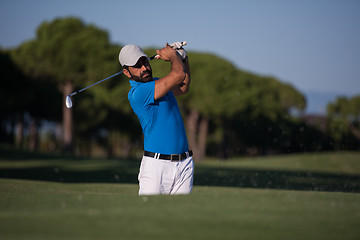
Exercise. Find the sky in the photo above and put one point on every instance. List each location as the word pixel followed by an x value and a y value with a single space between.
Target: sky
pixel 314 45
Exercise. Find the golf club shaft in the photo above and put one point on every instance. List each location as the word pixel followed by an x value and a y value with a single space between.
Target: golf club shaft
pixel 74 93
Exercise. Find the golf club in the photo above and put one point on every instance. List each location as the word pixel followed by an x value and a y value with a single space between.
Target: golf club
pixel 68 100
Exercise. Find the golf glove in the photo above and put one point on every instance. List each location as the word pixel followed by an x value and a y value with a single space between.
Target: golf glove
pixel 179 49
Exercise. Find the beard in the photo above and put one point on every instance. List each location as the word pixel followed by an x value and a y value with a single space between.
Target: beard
pixel 141 78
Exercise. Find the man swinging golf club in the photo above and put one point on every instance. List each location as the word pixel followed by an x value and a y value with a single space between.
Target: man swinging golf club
pixel 167 166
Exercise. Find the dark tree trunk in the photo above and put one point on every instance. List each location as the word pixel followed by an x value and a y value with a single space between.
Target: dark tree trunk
pixel 203 131
pixel 67 120
pixel 33 135
pixel 197 127
pixel 19 130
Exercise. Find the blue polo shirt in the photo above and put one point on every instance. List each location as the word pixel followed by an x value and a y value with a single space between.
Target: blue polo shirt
pixel 160 119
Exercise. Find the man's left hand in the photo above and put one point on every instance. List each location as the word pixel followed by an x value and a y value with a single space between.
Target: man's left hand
pixel 178 46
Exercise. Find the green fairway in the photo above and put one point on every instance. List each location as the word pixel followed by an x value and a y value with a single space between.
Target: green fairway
pixel 332 162
pixel 305 196
pixel 43 210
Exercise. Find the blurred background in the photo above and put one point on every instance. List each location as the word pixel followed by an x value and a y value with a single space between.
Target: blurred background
pixel 268 77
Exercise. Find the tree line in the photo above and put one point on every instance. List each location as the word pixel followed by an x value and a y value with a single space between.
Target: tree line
pixel 228 111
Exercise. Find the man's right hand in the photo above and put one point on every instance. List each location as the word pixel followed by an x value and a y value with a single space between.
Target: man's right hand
pixel 167 53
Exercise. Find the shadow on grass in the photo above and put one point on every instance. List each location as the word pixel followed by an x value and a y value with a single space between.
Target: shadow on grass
pixel 125 171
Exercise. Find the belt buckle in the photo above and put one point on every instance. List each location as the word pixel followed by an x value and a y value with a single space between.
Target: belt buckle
pixel 172 155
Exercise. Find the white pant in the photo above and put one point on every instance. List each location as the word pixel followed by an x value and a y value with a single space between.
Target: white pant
pixel 158 176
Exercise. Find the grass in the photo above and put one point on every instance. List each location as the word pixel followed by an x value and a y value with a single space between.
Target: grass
pixel 331 162
pixel 43 210
pixel 97 199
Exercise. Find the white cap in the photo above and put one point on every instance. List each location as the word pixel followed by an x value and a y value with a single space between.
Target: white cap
pixel 130 54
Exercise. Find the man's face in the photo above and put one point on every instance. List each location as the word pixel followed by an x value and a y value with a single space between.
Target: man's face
pixel 141 71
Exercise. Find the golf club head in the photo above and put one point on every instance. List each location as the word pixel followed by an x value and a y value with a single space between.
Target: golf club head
pixel 68 101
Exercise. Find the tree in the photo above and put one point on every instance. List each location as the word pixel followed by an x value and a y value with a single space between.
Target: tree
pixel 13 84
pixel 23 96
pixel 344 120
pixel 70 54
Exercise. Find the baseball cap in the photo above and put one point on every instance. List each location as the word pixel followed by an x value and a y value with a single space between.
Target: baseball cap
pixel 130 54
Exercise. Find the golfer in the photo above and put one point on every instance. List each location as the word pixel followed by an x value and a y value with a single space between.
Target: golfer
pixel 167 166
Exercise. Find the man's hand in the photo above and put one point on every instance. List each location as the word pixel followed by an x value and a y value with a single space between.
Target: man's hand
pixel 167 53
pixel 178 46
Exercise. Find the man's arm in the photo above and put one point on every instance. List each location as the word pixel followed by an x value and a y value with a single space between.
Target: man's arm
pixel 183 87
pixel 176 76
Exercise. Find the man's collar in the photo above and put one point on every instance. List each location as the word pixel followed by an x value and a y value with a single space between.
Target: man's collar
pixel 134 83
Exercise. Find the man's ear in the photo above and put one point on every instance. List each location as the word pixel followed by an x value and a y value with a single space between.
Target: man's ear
pixel 127 73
